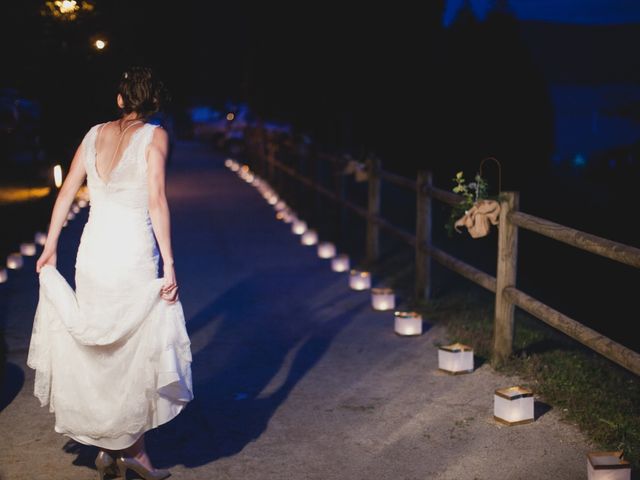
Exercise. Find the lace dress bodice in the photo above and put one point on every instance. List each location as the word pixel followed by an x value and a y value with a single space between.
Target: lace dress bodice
pixel 127 183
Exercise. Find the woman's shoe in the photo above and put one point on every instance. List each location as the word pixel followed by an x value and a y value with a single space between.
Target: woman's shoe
pixel 104 464
pixel 126 463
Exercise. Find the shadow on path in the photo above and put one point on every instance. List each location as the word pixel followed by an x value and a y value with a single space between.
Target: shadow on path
pixel 12 382
pixel 262 321
pixel 269 333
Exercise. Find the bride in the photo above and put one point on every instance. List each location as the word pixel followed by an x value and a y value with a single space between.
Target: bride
pixel 113 357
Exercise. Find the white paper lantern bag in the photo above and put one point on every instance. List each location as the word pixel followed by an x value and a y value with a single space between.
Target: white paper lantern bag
pixel 607 466
pixel 513 405
pixel 455 358
pixel 408 323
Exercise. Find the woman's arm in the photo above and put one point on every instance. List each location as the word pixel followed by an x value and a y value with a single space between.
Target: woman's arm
pixel 159 209
pixel 68 190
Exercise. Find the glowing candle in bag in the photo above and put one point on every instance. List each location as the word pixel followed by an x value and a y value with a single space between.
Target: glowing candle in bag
pixel 513 405
pixel 408 323
pixel 28 249
pixel 40 238
pixel 383 299
pixel 455 358
pixel 340 263
pixel 299 227
pixel 326 250
pixel 310 237
pixel 14 261
pixel 359 280
pixel 289 216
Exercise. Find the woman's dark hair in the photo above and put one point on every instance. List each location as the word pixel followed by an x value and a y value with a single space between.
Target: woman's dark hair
pixel 141 91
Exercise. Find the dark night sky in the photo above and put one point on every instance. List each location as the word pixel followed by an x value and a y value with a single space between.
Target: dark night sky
pixel 332 71
pixel 375 79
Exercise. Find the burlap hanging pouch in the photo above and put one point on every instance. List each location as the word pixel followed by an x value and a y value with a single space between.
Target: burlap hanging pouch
pixel 479 218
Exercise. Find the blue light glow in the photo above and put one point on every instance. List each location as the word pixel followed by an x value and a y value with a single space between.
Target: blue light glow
pixel 588 12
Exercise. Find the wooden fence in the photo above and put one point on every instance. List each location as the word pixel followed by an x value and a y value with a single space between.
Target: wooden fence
pixel 507 296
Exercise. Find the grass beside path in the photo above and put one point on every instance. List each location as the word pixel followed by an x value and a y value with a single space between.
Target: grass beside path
pixel 595 394
pixel 601 398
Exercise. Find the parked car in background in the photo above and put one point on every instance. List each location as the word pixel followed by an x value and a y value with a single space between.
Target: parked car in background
pixel 205 121
pixel 226 128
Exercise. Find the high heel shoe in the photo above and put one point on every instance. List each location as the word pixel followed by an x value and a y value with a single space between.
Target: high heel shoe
pixel 104 464
pixel 126 463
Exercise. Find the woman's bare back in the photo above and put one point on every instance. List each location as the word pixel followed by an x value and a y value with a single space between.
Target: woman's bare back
pixel 111 143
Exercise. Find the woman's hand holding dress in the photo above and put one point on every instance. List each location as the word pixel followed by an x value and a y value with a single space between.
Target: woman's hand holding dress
pixel 48 257
pixel 169 290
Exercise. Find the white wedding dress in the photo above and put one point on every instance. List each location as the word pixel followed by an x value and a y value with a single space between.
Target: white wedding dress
pixel 112 359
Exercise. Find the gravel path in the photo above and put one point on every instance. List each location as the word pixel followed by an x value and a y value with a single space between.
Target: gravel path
pixel 295 376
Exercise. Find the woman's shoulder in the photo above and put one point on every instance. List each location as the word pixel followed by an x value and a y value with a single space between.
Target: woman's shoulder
pixel 101 124
pixel 92 130
pixel 158 133
pixel 95 128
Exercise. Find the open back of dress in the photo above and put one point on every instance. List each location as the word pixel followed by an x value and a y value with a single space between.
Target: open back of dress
pixel 112 358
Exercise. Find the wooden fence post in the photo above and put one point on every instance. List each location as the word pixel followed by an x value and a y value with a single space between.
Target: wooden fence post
pixel 262 157
pixel 261 151
pixel 271 155
pixel 423 235
pixel 316 176
pixel 505 277
pixel 340 191
pixel 373 208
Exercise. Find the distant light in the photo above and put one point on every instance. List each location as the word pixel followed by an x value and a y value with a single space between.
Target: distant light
pixel 57 175
pixel 21 194
pixel 67 6
pixel 67 10
pixel 579 160
pixel 100 44
pixel 230 116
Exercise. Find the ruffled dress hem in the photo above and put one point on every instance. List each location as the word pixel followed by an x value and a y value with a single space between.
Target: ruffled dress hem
pixel 164 380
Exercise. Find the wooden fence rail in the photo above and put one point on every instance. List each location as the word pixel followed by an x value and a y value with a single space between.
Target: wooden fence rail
pixel 507 296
